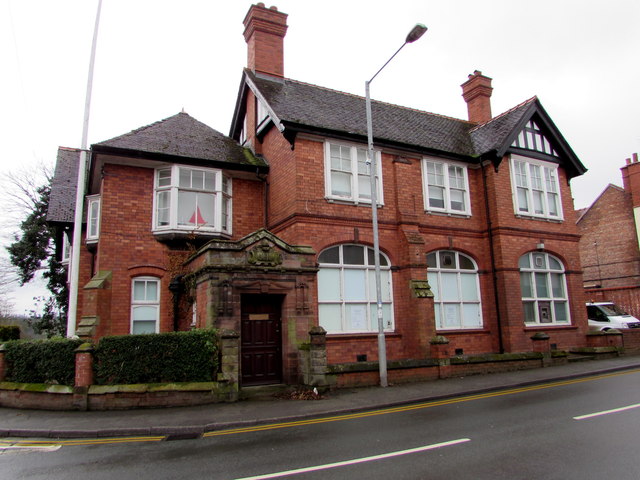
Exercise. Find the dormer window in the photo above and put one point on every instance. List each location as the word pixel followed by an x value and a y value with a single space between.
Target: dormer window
pixel 192 199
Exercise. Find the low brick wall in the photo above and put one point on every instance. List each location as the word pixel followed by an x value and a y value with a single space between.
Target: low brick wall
pixel 366 373
pixel 631 340
pixel 113 397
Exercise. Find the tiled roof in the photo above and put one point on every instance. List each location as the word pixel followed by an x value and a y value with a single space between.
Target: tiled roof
pixel 302 107
pixel 62 200
pixel 182 136
pixel 307 105
pixel 493 134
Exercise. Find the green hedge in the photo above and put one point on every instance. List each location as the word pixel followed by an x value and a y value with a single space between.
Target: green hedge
pixel 157 358
pixel 9 332
pixel 41 361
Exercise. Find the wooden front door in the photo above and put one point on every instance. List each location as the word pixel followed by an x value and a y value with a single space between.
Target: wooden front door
pixel 261 339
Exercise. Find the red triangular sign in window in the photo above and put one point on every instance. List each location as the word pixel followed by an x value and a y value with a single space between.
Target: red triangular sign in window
pixel 197 218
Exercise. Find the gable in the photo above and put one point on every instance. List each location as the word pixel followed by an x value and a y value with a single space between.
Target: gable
pixel 526 130
pixel 532 139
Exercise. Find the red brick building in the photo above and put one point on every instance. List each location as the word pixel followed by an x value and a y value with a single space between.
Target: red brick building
pixel 268 232
pixel 609 245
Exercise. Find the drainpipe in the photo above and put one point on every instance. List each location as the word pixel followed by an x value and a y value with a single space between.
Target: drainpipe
pixel 494 275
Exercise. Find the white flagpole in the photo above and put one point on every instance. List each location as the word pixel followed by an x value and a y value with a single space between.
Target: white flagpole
pixel 82 167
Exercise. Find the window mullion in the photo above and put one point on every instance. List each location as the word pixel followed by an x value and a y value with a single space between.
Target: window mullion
pixel 355 173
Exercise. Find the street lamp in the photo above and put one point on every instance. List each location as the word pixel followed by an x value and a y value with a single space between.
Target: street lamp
pixel 415 33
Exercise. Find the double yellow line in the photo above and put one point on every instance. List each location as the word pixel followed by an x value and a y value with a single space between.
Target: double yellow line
pixel 337 418
pixel 416 406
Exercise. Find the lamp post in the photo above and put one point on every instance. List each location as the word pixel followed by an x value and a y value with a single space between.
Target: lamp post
pixel 415 33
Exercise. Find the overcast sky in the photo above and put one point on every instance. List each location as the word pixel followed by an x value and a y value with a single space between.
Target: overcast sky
pixel 158 57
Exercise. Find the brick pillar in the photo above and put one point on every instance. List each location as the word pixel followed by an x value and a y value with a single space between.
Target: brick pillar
pixel 440 353
pixel 3 364
pixel 541 345
pixel 84 365
pixel 317 357
pixel 230 362
pixel 83 377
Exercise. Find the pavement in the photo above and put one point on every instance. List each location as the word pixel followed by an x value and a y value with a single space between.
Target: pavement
pixel 191 422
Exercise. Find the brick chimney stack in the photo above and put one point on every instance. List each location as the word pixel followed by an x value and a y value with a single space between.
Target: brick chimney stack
pixel 477 93
pixel 264 31
pixel 631 179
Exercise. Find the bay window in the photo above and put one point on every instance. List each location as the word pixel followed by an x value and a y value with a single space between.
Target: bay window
pixel 93 218
pixel 192 199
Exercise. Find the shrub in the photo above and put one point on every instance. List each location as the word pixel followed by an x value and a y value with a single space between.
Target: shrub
pixel 157 358
pixel 9 332
pixel 41 361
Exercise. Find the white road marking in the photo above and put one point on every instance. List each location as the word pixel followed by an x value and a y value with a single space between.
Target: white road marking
pixel 606 412
pixel 358 460
pixel 7 448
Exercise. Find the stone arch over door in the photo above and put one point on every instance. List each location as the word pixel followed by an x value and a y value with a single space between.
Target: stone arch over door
pixel 259 266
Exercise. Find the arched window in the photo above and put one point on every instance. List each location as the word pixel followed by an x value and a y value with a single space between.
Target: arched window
pixel 145 305
pixel 454 282
pixel 544 289
pixel 347 290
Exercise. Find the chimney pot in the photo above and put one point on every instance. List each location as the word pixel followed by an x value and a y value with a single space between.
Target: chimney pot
pixel 628 161
pixel 635 158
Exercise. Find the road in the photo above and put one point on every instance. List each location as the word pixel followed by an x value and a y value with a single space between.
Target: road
pixel 530 433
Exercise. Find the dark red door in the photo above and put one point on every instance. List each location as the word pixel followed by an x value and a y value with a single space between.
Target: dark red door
pixel 261 340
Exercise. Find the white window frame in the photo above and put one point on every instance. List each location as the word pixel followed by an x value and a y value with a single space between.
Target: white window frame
pixel 145 303
pixel 525 187
pixel 354 196
pixel 447 187
pixel 93 218
pixel 359 311
pixel 262 115
pixel 445 308
pixel 65 258
pixel 222 198
pixel 534 265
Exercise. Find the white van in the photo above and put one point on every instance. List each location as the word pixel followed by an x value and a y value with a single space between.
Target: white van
pixel 606 315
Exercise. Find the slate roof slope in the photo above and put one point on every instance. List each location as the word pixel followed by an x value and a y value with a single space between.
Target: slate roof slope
pixel 306 105
pixel 181 136
pixel 493 134
pixel 62 199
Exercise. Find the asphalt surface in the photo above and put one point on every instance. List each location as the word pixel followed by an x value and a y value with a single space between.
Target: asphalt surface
pixel 190 422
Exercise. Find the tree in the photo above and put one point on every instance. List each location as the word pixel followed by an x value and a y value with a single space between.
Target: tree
pixel 33 250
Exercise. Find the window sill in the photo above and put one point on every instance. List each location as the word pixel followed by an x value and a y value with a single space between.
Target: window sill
pixel 447 214
pixel 555 326
pixel 463 331
pixel 355 203
pixel 543 219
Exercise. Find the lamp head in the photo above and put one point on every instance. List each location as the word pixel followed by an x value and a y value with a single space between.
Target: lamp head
pixel 415 33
